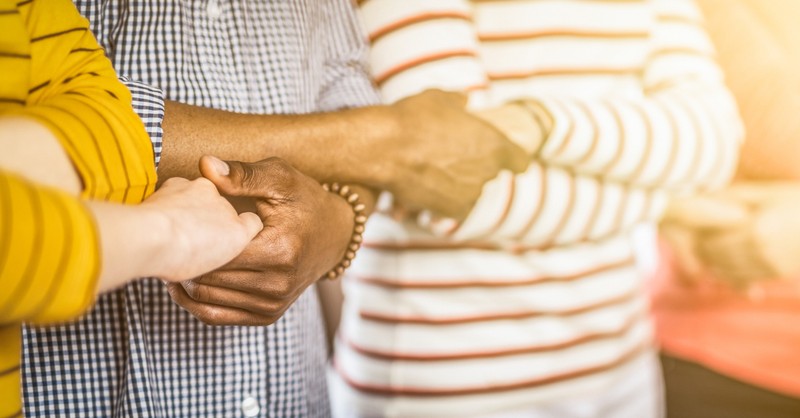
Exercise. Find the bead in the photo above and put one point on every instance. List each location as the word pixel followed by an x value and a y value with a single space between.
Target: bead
pixel 359 219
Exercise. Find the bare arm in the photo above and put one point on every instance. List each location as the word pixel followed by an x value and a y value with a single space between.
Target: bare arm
pixel 381 147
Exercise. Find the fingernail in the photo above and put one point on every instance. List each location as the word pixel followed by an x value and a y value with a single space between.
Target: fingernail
pixel 220 166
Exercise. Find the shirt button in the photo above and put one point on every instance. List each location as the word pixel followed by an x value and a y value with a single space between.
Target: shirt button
pixel 250 407
pixel 213 9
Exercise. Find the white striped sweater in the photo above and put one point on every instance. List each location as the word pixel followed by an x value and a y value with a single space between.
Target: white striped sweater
pixel 539 286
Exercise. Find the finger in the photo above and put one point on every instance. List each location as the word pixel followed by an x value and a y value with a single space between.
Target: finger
pixel 270 248
pixel 269 178
pixel 759 193
pixel 516 158
pixel 252 224
pixel 266 285
pixel 704 212
pixel 683 248
pixel 214 314
pixel 730 255
pixel 258 304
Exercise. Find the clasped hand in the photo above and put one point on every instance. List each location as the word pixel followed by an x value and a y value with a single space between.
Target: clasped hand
pixel 306 232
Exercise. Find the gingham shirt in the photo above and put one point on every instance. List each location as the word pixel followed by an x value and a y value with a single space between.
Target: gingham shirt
pixel 137 353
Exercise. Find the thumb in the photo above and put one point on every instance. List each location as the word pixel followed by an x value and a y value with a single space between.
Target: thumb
pixel 232 178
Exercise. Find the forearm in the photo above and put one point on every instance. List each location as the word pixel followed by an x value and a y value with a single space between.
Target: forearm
pixel 132 243
pixel 32 151
pixel 324 146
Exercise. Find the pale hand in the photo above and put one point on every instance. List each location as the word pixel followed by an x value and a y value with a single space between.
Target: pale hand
pixel 202 229
pixel 744 235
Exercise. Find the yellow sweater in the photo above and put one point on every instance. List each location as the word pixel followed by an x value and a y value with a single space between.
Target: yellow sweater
pixel 52 70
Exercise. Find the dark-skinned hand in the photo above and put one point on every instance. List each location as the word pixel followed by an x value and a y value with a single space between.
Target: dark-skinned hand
pixel 306 232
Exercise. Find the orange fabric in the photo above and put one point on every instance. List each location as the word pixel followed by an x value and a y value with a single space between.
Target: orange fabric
pixel 753 337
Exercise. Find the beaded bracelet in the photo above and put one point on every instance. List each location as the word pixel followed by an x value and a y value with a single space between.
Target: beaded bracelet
pixel 359 219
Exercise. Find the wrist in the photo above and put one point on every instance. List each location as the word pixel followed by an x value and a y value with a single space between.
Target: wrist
pixel 375 137
pixel 357 218
pixel 132 241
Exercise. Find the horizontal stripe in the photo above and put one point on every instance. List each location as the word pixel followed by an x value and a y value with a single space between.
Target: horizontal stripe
pixel 566 32
pixel 14 415
pixel 24 3
pixel 382 78
pixel 429 283
pixel 12 369
pixel 11 100
pixel 564 71
pixel 376 317
pixel 85 50
pixel 412 391
pixel 497 353
pixel 4 54
pixel 38 87
pixel 411 20
pixel 56 34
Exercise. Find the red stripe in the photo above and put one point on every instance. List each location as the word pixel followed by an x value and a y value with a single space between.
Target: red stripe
pixel 622 138
pixel 566 214
pixel 595 132
pixel 540 206
pixel 573 33
pixel 664 177
pixel 478 282
pixel 506 209
pixel 530 383
pixel 377 317
pixel 564 71
pixel 587 338
pixel 637 172
pixel 598 204
pixel 382 78
pixel 414 19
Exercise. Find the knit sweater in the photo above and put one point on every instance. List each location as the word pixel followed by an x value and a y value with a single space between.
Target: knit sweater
pixel 538 294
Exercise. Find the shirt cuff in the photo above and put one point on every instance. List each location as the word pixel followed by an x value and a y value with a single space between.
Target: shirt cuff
pixel 148 103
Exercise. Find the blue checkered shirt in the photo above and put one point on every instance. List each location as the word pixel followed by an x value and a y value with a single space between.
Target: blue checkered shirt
pixel 137 353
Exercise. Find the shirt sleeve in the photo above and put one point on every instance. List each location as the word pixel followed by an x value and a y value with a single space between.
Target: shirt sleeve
pixel 75 92
pixel 347 82
pixel 49 253
pixel 604 164
pixel 148 103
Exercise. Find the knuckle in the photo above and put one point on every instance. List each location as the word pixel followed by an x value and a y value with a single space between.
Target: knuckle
pixel 283 289
pixel 210 316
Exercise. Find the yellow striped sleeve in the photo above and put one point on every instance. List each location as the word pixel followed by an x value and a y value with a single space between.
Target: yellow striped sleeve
pixel 49 253
pixel 10 400
pixel 75 92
